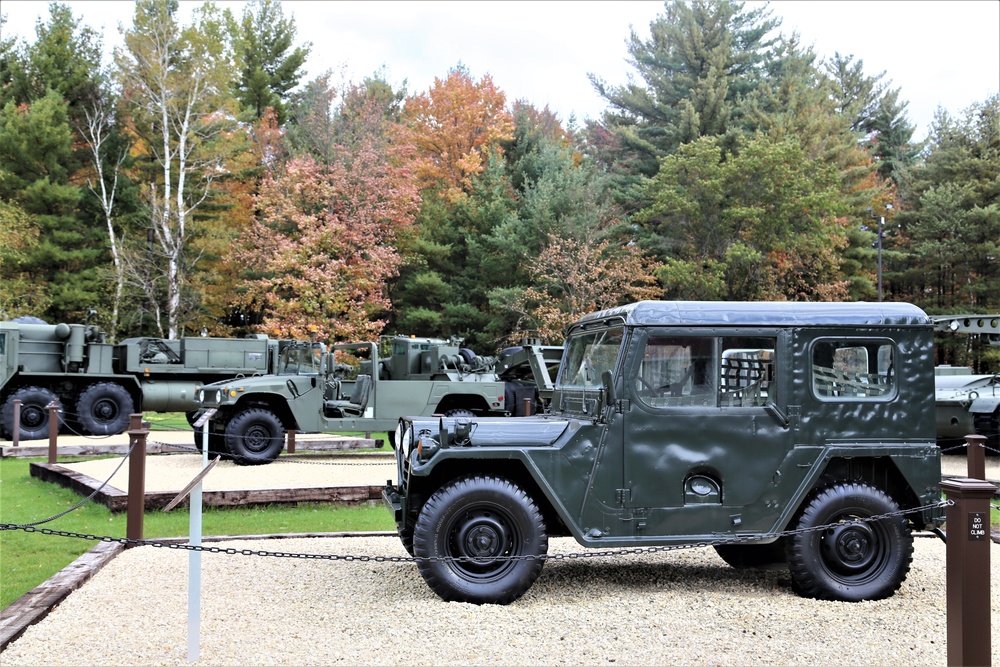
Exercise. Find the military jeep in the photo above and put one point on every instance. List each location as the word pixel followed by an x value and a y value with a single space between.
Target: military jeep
pixel 798 435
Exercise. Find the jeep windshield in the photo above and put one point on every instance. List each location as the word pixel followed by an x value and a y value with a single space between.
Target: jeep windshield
pixel 301 359
pixel 588 355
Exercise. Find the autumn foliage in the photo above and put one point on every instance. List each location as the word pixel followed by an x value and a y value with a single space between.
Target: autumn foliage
pixel 324 246
pixel 450 129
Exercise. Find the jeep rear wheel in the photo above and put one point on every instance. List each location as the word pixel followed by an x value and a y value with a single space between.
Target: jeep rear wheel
pixel 851 559
pixel 478 539
pixel 253 437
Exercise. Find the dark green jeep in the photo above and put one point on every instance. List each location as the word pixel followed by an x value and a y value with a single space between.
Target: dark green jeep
pixel 770 430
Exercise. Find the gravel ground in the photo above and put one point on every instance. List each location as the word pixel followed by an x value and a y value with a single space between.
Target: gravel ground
pixel 679 608
pixel 683 607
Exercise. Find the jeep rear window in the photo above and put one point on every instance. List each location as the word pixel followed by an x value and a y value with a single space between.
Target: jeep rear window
pixel 589 355
pixel 728 371
pixel 853 370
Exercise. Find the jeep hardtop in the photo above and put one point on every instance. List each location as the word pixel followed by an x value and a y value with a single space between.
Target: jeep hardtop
pixel 773 431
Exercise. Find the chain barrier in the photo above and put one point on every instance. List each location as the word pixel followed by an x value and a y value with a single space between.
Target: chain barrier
pixel 80 504
pixel 629 551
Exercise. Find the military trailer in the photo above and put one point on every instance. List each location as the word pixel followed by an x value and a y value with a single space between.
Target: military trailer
pixel 98 384
pixel 352 388
pixel 796 435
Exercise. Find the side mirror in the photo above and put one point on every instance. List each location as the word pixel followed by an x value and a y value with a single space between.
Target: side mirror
pixel 610 397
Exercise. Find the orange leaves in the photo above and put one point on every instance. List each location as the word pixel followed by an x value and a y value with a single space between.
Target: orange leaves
pixel 323 247
pixel 572 277
pixel 451 127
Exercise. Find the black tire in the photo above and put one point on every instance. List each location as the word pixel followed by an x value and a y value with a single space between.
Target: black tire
pixel 216 443
pixel 480 518
pixel 406 537
pixel 34 412
pixel 460 412
pixel 754 556
pixel 851 560
pixel 254 437
pixel 104 408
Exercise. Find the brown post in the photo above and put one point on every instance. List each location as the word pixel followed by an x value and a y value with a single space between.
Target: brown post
pixel 138 430
pixel 967 570
pixel 975 454
pixel 527 407
pixel 53 430
pixel 291 441
pixel 16 435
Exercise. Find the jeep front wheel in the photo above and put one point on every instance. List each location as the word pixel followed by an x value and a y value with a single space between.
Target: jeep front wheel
pixel 480 539
pixel 253 437
pixel 850 559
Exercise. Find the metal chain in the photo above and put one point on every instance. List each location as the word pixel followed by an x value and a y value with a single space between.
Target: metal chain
pixel 85 500
pixel 630 551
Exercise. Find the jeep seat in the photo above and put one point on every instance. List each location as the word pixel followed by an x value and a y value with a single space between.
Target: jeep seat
pixel 356 405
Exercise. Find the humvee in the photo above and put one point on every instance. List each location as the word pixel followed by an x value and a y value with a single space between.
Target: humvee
pixel 770 430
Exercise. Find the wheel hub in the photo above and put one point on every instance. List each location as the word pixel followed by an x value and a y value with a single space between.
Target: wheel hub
pixel 32 416
pixel 256 439
pixel 850 548
pixel 105 411
pixel 482 537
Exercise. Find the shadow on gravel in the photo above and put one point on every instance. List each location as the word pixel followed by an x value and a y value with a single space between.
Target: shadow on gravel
pixel 680 578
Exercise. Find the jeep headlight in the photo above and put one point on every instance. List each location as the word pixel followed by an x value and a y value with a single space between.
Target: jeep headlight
pixel 404 439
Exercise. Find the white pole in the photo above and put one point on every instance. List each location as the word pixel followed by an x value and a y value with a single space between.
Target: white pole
pixel 194 559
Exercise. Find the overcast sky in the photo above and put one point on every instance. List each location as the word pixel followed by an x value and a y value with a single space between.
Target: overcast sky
pixel 939 53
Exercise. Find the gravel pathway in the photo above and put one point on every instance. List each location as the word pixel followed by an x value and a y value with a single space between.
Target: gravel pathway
pixel 679 608
pixel 171 472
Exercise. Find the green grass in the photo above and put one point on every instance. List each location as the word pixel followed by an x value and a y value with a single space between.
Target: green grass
pixel 28 559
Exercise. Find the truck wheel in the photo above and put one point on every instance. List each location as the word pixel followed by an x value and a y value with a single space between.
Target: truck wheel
pixel 34 412
pixel 478 519
pixel 850 560
pixel 460 412
pixel 753 556
pixel 254 437
pixel 103 408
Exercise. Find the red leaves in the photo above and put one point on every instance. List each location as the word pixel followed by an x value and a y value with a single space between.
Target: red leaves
pixel 323 247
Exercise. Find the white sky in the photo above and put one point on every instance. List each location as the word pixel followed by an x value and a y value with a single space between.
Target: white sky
pixel 939 53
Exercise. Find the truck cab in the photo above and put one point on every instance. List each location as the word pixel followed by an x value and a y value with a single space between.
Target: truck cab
pixel 676 423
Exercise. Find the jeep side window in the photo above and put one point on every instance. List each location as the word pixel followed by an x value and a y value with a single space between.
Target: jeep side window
pixel 589 355
pixel 853 370
pixel 747 371
pixel 677 370
pixel 687 371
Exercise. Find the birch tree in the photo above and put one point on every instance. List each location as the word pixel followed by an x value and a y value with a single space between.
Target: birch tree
pixel 175 81
pixel 107 157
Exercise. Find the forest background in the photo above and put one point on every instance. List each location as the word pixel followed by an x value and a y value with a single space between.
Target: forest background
pixel 198 184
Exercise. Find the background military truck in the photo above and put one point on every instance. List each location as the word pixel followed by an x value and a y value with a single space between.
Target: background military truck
pixel 968 402
pixel 350 387
pixel 796 435
pixel 98 384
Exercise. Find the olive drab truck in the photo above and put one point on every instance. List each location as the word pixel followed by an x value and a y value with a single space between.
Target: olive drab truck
pixel 360 387
pixel 97 384
pixel 795 435
pixel 967 402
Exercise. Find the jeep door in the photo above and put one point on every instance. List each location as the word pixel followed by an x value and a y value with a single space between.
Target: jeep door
pixel 702 430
